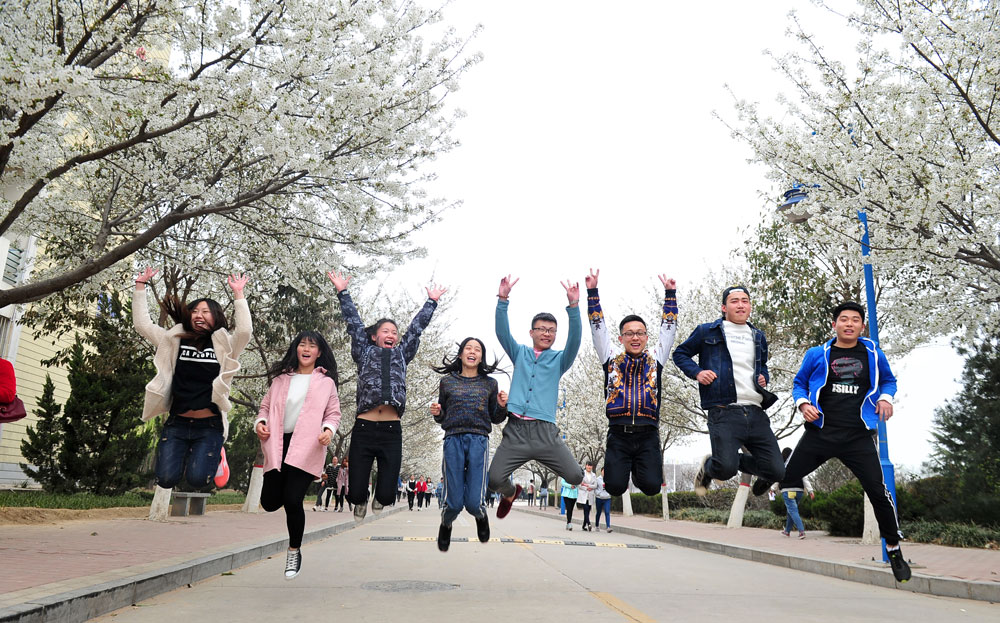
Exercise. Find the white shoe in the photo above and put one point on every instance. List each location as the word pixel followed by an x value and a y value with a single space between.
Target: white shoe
pixel 377 507
pixel 569 527
pixel 293 563
pixel 609 530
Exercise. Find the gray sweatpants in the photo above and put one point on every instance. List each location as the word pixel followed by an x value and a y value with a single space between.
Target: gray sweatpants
pixel 531 440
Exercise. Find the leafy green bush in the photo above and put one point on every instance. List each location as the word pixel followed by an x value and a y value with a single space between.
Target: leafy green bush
pixel 751 518
pixel 806 505
pixel 719 499
pixel 955 535
pixel 842 510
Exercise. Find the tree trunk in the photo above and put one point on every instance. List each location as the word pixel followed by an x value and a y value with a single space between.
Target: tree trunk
pixel 627 500
pixel 870 535
pixel 252 503
pixel 159 510
pixel 739 502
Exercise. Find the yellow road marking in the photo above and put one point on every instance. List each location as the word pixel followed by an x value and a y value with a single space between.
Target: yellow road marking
pixel 622 608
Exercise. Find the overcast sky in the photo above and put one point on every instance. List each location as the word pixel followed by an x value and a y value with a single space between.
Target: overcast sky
pixel 590 141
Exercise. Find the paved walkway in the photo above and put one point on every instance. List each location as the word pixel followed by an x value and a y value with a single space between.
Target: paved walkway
pixel 42 563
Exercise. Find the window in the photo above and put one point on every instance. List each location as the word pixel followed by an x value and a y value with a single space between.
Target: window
pixel 12 267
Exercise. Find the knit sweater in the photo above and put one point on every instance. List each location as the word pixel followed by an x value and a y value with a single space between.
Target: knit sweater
pixel 468 405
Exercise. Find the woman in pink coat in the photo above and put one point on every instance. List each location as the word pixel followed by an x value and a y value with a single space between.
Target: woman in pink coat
pixel 297 420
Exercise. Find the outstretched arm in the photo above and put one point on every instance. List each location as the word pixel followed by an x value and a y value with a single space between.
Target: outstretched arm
pixel 595 317
pixel 244 324
pixel 411 340
pixel 355 328
pixel 140 309
pixel 668 320
pixel 502 323
pixel 575 328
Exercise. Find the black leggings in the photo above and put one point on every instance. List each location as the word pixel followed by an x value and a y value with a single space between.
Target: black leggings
pixel 287 487
pixel 569 503
pixel 371 442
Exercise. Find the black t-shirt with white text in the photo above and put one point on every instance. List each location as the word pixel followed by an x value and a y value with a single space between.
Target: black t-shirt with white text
pixel 193 375
pixel 847 384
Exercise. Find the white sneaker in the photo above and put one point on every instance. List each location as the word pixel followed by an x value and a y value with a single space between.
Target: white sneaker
pixel 377 507
pixel 293 563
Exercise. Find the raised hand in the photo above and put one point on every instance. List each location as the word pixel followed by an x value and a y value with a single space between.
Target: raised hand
pixel 572 292
pixel 668 283
pixel 236 284
pixel 262 431
pixel 340 280
pixel 505 286
pixel 435 291
pixel 435 409
pixel 146 274
pixel 591 279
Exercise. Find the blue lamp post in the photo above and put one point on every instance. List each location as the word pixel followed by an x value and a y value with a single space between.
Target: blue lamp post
pixel 793 197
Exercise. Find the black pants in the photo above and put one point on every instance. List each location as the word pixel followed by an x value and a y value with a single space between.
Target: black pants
pixel 741 425
pixel 633 451
pixel 858 451
pixel 409 498
pixel 586 514
pixel 287 487
pixel 371 442
pixel 569 503
pixel 339 504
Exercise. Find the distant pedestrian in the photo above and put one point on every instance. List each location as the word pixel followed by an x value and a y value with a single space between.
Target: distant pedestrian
pixel 411 491
pixel 543 496
pixel 531 493
pixel 421 492
pixel 603 501
pixel 341 486
pixel 569 494
pixel 585 494
pixel 302 403
pixel 791 493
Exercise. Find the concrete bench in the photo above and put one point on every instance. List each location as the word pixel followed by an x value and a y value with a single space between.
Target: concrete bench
pixel 183 504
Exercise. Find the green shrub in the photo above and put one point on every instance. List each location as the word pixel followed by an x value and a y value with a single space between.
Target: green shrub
pixel 751 518
pixel 955 535
pixel 718 499
pixel 806 505
pixel 842 510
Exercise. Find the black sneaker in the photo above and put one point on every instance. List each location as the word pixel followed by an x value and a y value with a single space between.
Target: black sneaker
pixel 900 570
pixel 760 486
pixel 293 563
pixel 444 537
pixel 483 528
pixel 702 479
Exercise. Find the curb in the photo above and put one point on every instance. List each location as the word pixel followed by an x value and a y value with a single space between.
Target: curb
pixel 86 603
pixel 926 584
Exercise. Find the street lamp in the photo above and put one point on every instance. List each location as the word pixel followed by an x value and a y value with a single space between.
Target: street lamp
pixel 794 196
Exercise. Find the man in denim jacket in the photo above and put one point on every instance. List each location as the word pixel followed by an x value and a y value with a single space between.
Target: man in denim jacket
pixel 732 375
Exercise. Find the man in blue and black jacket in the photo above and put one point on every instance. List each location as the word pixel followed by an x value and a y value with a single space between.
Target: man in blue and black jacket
pixel 843 388
pixel 732 376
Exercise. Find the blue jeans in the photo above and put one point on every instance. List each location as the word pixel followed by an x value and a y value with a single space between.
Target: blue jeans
pixel 464 466
pixel 605 506
pixel 736 426
pixel 792 506
pixel 188 446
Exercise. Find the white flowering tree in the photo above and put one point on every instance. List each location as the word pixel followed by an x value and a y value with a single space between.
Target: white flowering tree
pixel 908 135
pixel 273 136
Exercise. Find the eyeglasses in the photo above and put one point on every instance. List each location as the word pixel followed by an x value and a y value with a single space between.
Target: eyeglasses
pixel 545 330
pixel 632 334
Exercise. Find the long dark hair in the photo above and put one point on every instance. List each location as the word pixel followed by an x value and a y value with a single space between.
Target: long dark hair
pixel 454 364
pixel 181 314
pixel 290 362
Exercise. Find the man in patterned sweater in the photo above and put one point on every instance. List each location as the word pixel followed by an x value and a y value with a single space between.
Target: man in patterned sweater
pixel 632 390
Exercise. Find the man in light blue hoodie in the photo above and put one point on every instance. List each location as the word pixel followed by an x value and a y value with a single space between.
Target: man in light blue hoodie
pixel 531 432
pixel 843 388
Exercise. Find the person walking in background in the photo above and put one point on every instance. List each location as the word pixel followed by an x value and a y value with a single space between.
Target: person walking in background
pixel 411 491
pixel 340 486
pixel 791 493
pixel 297 419
pixel 585 494
pixel 332 471
pixel 569 494
pixel 421 492
pixel 543 495
pixel 400 488
pixel 732 376
pixel 531 493
pixel 195 361
pixel 603 503
pixel 381 356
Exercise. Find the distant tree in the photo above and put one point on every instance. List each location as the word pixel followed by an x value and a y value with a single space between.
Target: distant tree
pixel 43 439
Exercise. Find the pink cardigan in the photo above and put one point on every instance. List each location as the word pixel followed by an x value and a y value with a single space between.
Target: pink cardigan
pixel 320 410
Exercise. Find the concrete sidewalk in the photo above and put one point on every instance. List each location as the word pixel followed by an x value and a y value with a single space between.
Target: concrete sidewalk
pixel 73 571
pixel 937 569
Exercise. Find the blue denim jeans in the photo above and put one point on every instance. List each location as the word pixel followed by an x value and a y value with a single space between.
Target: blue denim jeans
pixel 188 446
pixel 464 466
pixel 733 427
pixel 792 506
pixel 605 507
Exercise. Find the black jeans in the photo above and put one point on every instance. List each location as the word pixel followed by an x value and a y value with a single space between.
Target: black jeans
pixel 736 426
pixel 569 503
pixel 858 451
pixel 370 442
pixel 287 487
pixel 633 451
